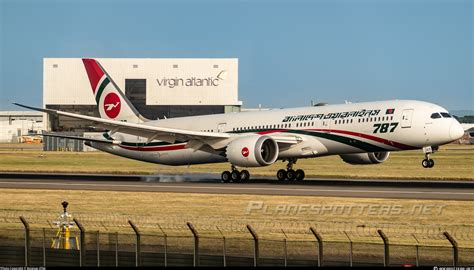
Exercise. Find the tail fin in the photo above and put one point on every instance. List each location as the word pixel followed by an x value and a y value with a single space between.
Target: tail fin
pixel 111 101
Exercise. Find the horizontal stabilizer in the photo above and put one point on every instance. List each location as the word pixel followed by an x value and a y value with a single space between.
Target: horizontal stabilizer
pixel 80 138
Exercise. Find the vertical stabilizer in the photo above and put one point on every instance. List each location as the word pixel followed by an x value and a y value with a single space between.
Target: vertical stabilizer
pixel 111 101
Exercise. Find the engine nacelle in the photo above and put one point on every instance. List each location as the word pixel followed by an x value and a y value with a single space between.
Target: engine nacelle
pixel 252 151
pixel 366 158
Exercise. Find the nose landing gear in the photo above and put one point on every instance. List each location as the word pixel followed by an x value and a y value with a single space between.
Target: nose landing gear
pixel 428 162
pixel 290 174
pixel 235 175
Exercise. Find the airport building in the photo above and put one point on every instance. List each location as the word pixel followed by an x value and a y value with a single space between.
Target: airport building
pixel 17 126
pixel 157 87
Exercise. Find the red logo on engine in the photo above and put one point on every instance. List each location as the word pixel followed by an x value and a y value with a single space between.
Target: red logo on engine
pixel 245 152
pixel 112 105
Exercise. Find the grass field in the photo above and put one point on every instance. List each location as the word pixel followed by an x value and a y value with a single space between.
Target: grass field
pixel 453 162
pixel 107 210
pixel 111 210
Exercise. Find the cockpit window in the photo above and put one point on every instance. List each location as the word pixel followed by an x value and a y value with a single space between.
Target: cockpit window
pixel 446 115
pixel 435 115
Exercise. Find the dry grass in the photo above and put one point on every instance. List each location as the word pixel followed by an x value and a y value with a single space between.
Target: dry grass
pixel 453 162
pixel 109 211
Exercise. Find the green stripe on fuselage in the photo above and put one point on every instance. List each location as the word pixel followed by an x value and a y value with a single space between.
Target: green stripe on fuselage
pixel 367 147
pixel 341 139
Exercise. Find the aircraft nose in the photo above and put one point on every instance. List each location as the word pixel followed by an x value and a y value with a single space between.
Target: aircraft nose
pixel 456 131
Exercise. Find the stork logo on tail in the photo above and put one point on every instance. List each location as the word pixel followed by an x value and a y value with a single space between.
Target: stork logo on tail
pixel 112 105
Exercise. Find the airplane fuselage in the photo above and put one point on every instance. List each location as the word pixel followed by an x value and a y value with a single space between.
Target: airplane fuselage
pixel 380 126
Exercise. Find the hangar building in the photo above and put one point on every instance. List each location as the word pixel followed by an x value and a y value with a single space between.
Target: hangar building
pixel 157 87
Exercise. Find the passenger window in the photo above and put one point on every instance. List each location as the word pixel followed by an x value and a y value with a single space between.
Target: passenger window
pixel 435 116
pixel 446 115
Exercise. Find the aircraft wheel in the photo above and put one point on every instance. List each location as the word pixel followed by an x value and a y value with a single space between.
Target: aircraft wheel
pixel 235 176
pixel 244 175
pixel 425 163
pixel 430 163
pixel 299 175
pixel 281 175
pixel 290 175
pixel 225 176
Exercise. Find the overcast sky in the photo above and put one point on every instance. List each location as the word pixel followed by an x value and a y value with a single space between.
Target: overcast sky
pixel 290 52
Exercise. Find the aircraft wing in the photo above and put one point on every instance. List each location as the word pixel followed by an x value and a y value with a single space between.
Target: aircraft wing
pixel 143 130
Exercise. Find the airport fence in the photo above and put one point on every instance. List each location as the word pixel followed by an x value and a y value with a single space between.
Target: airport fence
pixel 32 246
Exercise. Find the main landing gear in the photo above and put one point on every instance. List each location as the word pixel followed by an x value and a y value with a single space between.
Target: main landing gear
pixel 428 162
pixel 290 174
pixel 235 175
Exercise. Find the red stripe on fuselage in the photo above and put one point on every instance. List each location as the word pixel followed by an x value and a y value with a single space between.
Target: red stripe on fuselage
pixel 271 131
pixel 356 134
pixel 369 137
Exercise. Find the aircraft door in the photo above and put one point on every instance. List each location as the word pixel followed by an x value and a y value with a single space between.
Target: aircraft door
pixel 326 123
pixel 407 116
pixel 221 127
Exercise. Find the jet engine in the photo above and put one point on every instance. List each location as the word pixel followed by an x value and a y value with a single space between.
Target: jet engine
pixel 366 158
pixel 252 151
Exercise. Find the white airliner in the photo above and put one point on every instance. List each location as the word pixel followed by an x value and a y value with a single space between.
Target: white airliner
pixel 360 133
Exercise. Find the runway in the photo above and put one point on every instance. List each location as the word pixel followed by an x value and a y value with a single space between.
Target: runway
pixel 210 184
